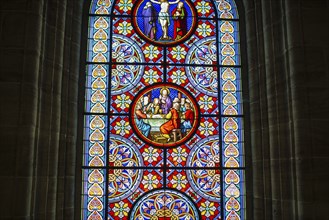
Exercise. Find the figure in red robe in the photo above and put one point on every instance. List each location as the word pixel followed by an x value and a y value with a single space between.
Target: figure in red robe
pixel 173 123
pixel 179 16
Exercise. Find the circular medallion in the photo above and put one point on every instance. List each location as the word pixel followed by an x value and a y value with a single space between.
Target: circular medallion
pixel 164 22
pixel 164 115
pixel 125 77
pixel 164 204
pixel 123 182
pixel 203 74
pixel 205 182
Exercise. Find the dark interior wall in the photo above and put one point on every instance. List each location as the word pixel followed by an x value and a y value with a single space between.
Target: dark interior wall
pixel 287 47
pixel 39 56
pixel 288 77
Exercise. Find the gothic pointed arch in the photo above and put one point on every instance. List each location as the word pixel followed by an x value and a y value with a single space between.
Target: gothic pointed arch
pixel 163 117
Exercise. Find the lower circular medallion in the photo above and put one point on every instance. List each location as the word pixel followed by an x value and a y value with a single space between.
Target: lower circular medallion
pixel 164 22
pixel 123 182
pixel 205 182
pixel 164 204
pixel 164 115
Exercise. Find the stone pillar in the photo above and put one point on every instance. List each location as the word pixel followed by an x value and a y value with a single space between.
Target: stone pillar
pixel 287 45
pixel 40 49
pixel 307 37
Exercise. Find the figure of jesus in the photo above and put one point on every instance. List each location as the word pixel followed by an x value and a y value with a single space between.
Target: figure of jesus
pixel 164 16
pixel 165 100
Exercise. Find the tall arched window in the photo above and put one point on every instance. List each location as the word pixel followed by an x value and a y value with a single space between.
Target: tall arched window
pixel 163 121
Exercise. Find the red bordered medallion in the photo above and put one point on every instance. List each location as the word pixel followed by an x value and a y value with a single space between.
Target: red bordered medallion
pixel 164 22
pixel 164 115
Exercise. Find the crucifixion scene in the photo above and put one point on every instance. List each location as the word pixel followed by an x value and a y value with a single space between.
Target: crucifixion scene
pixel 164 20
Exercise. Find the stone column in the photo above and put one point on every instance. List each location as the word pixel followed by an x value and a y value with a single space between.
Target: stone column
pixel 307 37
pixel 287 44
pixel 40 47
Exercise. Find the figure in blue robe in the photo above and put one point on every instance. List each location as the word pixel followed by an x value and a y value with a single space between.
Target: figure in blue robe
pixel 150 17
pixel 141 125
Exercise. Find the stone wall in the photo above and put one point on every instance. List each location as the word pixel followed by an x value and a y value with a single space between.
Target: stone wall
pixel 39 50
pixel 287 47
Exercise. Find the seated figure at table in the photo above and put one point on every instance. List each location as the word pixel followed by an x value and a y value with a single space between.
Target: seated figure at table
pixel 176 100
pixel 172 123
pixel 182 105
pixel 140 115
pixel 154 107
pixel 145 104
pixel 188 117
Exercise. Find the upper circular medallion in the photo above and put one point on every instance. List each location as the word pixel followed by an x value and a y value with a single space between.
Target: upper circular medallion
pixel 203 73
pixel 124 77
pixel 164 115
pixel 164 22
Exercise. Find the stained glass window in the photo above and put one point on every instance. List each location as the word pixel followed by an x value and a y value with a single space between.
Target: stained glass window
pixel 163 121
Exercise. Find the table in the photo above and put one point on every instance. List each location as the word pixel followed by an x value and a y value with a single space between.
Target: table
pixel 155 121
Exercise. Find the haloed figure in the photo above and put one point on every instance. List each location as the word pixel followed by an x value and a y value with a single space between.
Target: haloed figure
pixel 165 100
pixel 180 21
pixel 149 16
pixel 164 18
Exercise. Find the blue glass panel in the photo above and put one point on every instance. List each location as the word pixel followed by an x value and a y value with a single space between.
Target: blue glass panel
pixel 230 54
pixel 231 91
pixel 98 33
pixel 233 75
pixel 227 9
pixel 98 51
pixel 101 6
pixel 231 28
pixel 234 194
pixel 93 194
pixel 95 137
pixel 96 88
pixel 128 60
pixel 232 142
pixel 231 103
pixel 96 101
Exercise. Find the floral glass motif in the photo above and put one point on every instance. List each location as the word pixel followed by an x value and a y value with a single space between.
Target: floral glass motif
pixel 147 154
